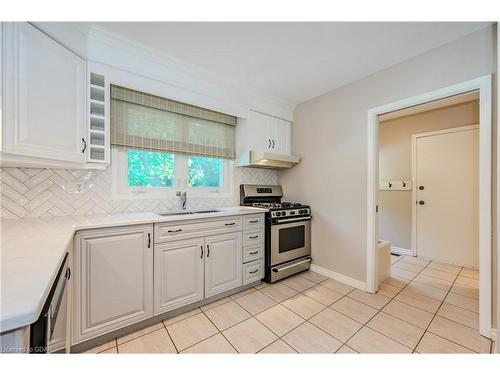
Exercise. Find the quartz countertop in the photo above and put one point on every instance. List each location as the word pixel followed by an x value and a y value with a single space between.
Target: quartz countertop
pixel 32 250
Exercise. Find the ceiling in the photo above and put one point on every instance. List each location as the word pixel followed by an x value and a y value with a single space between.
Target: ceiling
pixel 291 61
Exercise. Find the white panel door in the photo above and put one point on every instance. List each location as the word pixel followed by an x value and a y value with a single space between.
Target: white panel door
pixel 113 279
pixel 179 273
pixel 45 95
pixel 447 183
pixel 223 263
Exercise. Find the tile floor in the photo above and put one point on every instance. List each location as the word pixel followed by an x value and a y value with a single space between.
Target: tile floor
pixel 424 307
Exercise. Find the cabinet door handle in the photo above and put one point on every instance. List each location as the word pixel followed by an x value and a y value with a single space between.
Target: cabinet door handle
pixel 201 252
pixel 253 252
pixel 269 143
pixel 208 250
pixel 253 237
pixel 253 221
pixel 254 271
pixel 175 231
pixel 84 145
pixel 229 224
pixel 149 240
pixel 273 143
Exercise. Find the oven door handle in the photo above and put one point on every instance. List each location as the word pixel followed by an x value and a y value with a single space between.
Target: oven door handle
pixel 278 269
pixel 302 218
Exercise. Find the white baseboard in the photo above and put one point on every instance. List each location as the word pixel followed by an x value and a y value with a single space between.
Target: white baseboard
pixel 339 277
pixel 401 251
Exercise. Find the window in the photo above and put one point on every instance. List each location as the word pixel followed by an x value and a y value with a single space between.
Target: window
pixel 204 172
pixel 149 174
pixel 161 146
pixel 150 169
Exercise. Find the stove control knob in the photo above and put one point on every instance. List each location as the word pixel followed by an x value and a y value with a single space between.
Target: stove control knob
pixel 283 213
pixel 278 213
pixel 292 212
pixel 302 211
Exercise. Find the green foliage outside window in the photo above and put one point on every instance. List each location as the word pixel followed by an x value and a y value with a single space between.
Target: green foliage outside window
pixel 150 169
pixel 204 172
pixel 157 169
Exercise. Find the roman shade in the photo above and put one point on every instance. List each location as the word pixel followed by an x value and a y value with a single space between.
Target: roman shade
pixel 148 122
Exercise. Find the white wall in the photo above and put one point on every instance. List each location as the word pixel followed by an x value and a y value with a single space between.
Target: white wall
pixel 330 134
pixel 395 154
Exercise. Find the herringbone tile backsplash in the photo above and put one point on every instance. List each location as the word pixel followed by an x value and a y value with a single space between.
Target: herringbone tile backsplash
pixel 28 192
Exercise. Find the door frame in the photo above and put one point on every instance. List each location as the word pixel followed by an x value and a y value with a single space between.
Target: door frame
pixel 484 85
pixel 414 139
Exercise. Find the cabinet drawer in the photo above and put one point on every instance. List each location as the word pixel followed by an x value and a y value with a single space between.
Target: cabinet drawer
pixel 251 253
pixel 186 229
pixel 253 271
pixel 253 238
pixel 252 222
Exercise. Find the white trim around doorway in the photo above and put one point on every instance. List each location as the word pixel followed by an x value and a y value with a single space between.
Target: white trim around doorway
pixel 483 84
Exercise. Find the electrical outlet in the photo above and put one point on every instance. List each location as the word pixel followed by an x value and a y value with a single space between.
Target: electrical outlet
pixel 75 187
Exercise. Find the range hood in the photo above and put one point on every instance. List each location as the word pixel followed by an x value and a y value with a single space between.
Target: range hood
pixel 262 159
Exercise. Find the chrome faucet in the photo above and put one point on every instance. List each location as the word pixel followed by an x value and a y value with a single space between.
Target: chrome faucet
pixel 183 198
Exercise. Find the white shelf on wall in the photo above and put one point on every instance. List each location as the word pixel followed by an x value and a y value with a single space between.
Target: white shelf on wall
pixel 98 109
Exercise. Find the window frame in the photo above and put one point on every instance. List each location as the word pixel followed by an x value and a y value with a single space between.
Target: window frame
pixel 121 190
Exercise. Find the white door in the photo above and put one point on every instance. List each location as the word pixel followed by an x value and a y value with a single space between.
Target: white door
pixel 447 196
pixel 45 95
pixel 223 263
pixel 179 273
pixel 113 279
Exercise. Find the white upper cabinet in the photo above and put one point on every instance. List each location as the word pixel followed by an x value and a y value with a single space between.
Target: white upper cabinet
pixel 266 133
pixel 262 133
pixel 44 97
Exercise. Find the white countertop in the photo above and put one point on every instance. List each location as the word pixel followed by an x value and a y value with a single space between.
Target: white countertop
pixel 32 250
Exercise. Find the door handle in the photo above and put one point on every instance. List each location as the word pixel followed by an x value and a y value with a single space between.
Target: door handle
pixel 175 231
pixel 229 224
pixel 208 250
pixel 273 143
pixel 149 240
pixel 201 252
pixel 269 143
pixel 421 203
pixel 254 271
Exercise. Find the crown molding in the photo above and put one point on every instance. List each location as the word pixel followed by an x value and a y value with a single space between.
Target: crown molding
pixel 104 46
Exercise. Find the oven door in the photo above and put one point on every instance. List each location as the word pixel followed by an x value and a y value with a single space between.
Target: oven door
pixel 290 239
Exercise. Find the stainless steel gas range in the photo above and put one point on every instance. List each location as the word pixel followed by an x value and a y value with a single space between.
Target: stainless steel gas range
pixel 288 230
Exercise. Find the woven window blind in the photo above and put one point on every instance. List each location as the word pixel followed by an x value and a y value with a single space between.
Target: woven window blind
pixel 147 122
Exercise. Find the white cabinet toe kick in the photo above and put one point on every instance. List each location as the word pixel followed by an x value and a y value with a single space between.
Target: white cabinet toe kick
pixel 127 278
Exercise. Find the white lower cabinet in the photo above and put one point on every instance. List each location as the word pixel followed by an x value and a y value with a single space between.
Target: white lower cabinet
pixel 223 263
pixel 179 272
pixel 113 284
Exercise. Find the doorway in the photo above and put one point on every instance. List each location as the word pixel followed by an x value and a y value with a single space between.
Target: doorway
pixel 445 214
pixel 483 85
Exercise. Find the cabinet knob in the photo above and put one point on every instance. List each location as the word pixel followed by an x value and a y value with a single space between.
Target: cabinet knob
pixel 421 203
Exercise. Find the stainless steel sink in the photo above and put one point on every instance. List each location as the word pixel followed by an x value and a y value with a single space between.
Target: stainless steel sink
pixel 206 211
pixel 174 213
